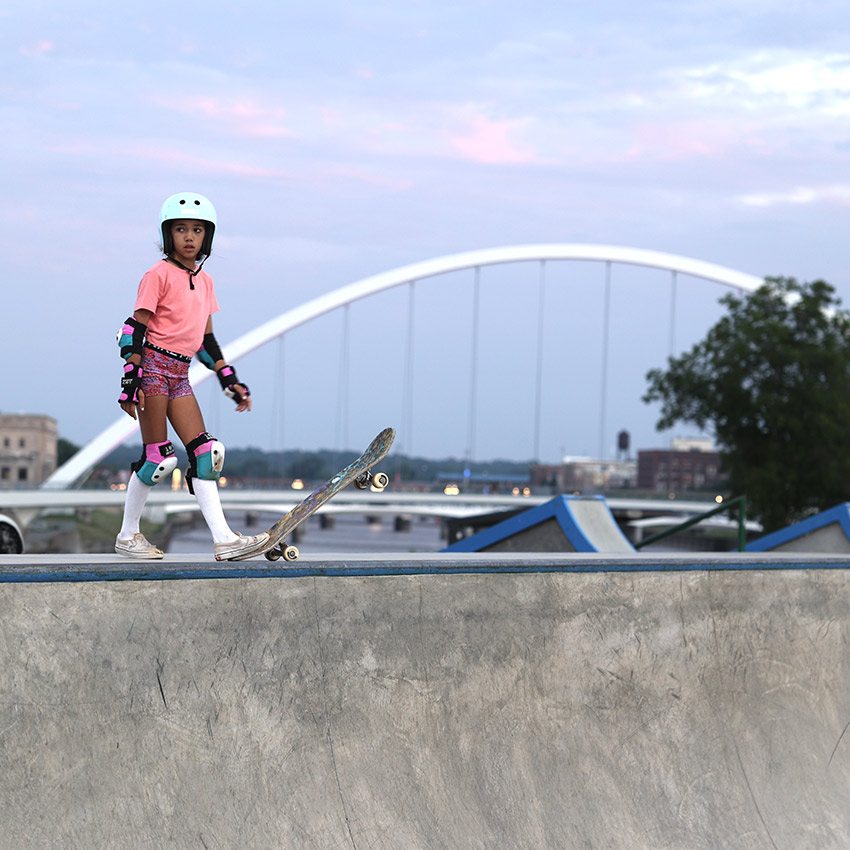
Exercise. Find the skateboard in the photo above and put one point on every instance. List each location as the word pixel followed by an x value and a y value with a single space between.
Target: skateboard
pixel 358 472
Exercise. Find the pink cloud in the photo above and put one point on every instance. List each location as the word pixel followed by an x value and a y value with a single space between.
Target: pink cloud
pixel 211 165
pixel 41 48
pixel 395 127
pixel 673 141
pixel 245 116
pixel 366 175
pixel 331 117
pixel 188 162
pixel 488 142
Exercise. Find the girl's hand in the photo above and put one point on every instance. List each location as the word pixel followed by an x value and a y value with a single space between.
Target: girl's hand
pixel 245 404
pixel 130 408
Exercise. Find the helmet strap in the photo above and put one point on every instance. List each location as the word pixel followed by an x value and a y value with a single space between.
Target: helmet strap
pixel 192 272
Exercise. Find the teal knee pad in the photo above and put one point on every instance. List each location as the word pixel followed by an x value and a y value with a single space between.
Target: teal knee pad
pixel 158 461
pixel 206 458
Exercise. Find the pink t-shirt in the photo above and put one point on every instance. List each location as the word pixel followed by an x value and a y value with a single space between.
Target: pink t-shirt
pixel 180 312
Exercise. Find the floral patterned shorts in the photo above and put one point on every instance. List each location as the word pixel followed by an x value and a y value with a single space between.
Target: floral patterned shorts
pixel 163 375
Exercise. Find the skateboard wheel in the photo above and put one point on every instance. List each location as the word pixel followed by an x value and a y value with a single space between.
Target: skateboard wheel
pixel 363 481
pixel 290 553
pixel 273 554
pixel 380 480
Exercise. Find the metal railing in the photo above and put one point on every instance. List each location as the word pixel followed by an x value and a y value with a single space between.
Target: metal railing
pixel 739 501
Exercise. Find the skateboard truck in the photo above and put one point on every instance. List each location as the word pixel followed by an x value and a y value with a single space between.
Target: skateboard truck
pixel 288 553
pixel 377 481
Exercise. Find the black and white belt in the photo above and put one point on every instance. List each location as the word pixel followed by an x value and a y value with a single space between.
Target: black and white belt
pixel 183 358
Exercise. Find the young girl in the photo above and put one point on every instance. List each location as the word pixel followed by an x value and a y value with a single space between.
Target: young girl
pixel 171 322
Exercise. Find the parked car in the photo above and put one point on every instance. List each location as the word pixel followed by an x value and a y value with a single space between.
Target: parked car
pixel 11 538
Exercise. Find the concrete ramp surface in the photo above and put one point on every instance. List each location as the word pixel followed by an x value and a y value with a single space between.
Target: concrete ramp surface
pixel 540 710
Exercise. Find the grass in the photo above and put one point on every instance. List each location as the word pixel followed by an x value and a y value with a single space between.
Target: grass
pixel 95 529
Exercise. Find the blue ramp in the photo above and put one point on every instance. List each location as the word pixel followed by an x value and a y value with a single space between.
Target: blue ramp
pixel 564 524
pixel 828 531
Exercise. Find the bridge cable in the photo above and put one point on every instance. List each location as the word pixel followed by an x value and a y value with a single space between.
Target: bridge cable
pixel 473 380
pixel 673 288
pixel 604 381
pixel 279 411
pixel 406 441
pixel 342 396
pixel 538 399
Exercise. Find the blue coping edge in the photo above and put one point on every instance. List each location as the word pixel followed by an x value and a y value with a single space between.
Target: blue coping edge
pixel 840 514
pixel 557 507
pixel 33 575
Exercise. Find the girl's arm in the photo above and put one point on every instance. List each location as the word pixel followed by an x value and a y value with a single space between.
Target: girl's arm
pixel 143 317
pixel 217 364
pixel 210 355
pixel 130 339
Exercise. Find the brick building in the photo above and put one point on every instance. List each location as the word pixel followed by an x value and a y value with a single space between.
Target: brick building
pixel 686 465
pixel 27 450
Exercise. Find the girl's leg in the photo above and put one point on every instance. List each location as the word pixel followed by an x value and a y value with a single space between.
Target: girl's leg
pixel 134 504
pixel 188 421
pixel 206 492
pixel 186 417
pixel 153 419
pixel 154 429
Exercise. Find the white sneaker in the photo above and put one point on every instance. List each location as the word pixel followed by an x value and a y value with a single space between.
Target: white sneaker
pixel 244 546
pixel 137 547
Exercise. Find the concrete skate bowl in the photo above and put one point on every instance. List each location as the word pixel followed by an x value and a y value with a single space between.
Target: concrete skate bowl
pixel 530 710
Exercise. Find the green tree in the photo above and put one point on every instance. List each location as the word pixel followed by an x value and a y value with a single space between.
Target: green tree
pixel 771 380
pixel 311 467
pixel 65 450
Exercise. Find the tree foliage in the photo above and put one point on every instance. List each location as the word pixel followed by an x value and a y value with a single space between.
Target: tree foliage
pixel 65 450
pixel 771 380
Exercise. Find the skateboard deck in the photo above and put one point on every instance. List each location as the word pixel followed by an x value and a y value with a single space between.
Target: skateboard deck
pixel 358 472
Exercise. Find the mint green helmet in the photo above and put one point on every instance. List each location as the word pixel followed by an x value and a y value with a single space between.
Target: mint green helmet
pixel 191 206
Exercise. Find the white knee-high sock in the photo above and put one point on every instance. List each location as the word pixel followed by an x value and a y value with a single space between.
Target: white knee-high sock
pixel 206 492
pixel 134 504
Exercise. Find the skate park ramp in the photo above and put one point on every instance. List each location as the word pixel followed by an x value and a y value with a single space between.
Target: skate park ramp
pixel 563 524
pixel 827 531
pixel 521 707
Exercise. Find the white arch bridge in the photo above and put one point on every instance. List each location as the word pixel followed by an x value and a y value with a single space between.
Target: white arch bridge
pixel 85 459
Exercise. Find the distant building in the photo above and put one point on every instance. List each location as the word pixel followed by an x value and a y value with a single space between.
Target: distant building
pixel 585 475
pixel 689 464
pixel 692 444
pixel 27 450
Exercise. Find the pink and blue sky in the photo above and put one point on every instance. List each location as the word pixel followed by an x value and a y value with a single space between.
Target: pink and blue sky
pixel 342 140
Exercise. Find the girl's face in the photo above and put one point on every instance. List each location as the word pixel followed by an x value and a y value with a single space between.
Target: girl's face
pixel 188 238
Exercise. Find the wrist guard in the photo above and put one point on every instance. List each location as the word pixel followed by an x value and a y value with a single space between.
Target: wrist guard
pixel 209 353
pixel 232 386
pixel 131 337
pixel 131 383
